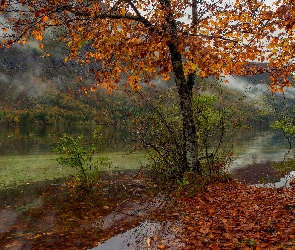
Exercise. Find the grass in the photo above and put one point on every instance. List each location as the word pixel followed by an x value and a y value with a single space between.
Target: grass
pixel 20 169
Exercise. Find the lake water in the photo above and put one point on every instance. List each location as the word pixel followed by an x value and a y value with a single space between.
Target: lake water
pixel 40 139
pixel 26 153
pixel 29 148
pixel 258 145
pixel 253 145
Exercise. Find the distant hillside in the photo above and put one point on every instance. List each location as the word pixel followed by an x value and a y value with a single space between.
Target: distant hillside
pixel 35 87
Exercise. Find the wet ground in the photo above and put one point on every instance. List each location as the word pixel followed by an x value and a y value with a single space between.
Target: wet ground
pixel 267 174
pixel 125 211
pixel 51 215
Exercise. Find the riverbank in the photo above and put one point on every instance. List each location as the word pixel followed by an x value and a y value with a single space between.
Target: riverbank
pixel 53 215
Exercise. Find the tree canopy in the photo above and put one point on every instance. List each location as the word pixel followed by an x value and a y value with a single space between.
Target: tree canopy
pixel 130 39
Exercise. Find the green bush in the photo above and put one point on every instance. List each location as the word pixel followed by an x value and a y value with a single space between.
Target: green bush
pixel 214 128
pixel 160 133
pixel 74 155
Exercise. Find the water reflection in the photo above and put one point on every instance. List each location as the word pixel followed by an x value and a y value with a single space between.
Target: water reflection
pixel 147 235
pixel 138 236
pixel 260 146
pixel 283 182
pixel 39 139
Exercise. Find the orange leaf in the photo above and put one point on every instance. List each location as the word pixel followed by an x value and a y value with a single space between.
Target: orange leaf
pixel 214 247
pixel 45 19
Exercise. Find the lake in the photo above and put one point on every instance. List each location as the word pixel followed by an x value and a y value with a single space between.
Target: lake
pixel 40 139
pixel 26 151
pixel 257 144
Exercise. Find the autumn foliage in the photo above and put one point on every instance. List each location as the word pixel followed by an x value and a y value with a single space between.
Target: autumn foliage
pixel 238 216
pixel 131 39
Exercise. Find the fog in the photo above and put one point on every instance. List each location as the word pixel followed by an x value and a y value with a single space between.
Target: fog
pixel 251 89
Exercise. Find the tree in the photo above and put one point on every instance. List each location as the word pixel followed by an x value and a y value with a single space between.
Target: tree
pixel 134 41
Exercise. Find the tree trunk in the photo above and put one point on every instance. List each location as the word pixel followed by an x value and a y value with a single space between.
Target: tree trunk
pixel 184 89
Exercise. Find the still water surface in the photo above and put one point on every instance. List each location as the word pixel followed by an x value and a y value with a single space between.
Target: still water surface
pixel 251 146
pixel 258 145
pixel 26 153
pixel 40 139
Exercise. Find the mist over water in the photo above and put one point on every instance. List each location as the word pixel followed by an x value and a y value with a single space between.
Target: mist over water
pixel 241 84
pixel 256 86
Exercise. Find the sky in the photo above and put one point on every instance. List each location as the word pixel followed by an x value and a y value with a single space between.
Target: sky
pixel 269 2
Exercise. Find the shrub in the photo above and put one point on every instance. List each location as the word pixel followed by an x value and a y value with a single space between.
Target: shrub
pixel 160 133
pixel 74 155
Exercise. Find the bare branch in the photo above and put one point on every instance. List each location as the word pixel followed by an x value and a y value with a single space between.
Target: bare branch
pixel 194 12
pixel 108 14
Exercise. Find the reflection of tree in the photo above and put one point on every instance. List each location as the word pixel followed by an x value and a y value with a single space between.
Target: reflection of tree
pixel 147 235
pixel 22 139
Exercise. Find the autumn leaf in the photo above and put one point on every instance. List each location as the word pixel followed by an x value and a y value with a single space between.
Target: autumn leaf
pixel 214 247
pixel 250 227
pixel 45 18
